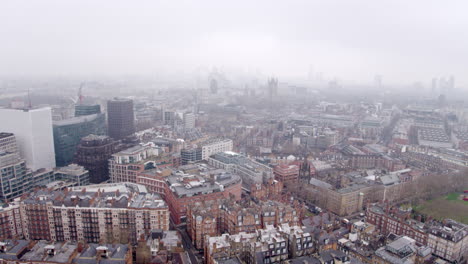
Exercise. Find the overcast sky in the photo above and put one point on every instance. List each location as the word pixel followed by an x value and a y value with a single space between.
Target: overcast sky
pixel 403 40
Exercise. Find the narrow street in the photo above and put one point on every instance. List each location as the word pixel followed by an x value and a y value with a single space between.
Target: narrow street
pixel 187 243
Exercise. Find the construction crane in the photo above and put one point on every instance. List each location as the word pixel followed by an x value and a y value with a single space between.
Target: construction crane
pixel 80 93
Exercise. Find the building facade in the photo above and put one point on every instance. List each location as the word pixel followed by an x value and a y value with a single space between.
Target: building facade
pixel 251 172
pixel 213 218
pixel 94 214
pixel 34 135
pixel 125 165
pixel 15 177
pixel 183 190
pixel 120 118
pixel 287 173
pixel 69 132
pixel 74 173
pixel 215 146
pixel 94 153
pixel 84 110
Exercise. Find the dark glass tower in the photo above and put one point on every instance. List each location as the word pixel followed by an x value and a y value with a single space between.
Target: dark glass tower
pixel 120 118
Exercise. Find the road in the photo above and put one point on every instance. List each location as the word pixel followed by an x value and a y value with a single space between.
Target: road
pixel 187 243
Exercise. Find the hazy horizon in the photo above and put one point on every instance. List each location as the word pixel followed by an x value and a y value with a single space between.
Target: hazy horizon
pixel 404 41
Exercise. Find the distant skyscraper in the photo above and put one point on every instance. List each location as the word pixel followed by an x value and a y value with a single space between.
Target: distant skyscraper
pixel 68 134
pixel 82 110
pixel 33 132
pixel 189 120
pixel 120 118
pixel 169 118
pixel 214 86
pixel 272 87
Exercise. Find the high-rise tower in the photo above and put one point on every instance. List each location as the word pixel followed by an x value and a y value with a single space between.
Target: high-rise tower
pixel 120 118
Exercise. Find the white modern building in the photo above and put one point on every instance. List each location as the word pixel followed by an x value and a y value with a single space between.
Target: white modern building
pixel 215 146
pixel 251 171
pixel 189 120
pixel 33 132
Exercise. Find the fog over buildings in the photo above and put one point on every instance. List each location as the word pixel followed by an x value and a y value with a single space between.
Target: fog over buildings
pixel 404 41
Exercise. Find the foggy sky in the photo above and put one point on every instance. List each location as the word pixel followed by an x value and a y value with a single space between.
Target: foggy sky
pixel 403 40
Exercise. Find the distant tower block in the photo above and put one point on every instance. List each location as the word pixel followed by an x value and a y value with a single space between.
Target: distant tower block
pixel 214 86
pixel 120 118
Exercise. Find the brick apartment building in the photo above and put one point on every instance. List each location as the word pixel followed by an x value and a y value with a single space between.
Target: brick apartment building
pixel 267 190
pixel 183 190
pixel 287 173
pixel 397 221
pixel 95 213
pixel 125 165
pixel 217 217
pixel 268 245
pixel 447 239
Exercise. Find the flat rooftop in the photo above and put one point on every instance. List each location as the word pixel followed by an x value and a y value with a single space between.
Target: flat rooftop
pixel 115 254
pixel 39 253
pixel 186 185
pixel 433 134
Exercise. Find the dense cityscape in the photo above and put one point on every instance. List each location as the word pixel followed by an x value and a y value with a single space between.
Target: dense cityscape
pixel 243 132
pixel 266 174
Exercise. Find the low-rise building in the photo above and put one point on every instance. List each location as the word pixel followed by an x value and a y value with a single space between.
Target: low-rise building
pixel 105 253
pixel 287 173
pixel 125 165
pixel 402 250
pixel 395 220
pixel 251 172
pixel 268 245
pixel 183 190
pixel 211 147
pixel 270 189
pixel 11 251
pixel 74 173
pixel 50 252
pixel 448 240
pixel 217 217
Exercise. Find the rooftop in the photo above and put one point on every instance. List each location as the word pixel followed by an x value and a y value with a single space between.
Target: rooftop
pixel 398 251
pixel 104 254
pixel 43 251
pixel 433 134
pixel 186 185
pixel 72 169
pixel 121 195
pixel 12 248
pixel 230 157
